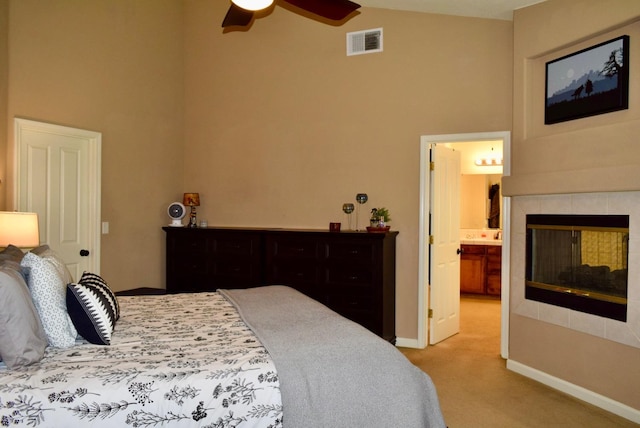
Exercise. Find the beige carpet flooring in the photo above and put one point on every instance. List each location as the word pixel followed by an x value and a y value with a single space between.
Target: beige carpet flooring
pixel 476 390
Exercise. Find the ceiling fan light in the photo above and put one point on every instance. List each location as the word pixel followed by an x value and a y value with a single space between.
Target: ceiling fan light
pixel 253 4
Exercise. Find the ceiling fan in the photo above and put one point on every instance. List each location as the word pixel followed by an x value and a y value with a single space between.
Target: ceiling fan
pixel 241 12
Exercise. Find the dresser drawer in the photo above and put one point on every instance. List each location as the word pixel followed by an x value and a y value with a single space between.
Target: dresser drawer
pixel 235 246
pixel 349 275
pixel 235 273
pixel 189 244
pixel 350 303
pixel 292 274
pixel 188 282
pixel 190 263
pixel 358 308
pixel 350 252
pixel 294 248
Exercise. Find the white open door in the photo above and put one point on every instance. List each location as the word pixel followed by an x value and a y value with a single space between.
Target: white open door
pixel 444 272
pixel 58 177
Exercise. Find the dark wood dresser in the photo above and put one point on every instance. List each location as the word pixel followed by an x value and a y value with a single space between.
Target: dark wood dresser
pixel 353 273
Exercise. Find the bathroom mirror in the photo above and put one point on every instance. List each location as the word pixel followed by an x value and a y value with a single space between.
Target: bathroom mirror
pixel 475 205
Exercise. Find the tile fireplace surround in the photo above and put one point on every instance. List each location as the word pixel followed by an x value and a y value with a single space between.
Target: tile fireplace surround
pixel 626 203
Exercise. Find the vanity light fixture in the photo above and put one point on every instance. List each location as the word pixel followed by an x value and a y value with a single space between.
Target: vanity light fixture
pixel 491 160
pixel 488 162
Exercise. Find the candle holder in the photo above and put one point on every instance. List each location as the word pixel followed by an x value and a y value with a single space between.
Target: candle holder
pixel 348 209
pixel 361 199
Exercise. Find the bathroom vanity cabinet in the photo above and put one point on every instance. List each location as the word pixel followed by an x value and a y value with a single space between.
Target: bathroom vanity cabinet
pixel 480 269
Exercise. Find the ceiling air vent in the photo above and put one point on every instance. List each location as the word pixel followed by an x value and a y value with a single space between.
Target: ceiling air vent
pixel 362 42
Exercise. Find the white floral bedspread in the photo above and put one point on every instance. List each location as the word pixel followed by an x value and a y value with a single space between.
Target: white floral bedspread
pixel 184 360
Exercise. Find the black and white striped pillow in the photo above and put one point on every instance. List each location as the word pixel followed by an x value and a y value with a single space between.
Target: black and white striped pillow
pixel 93 308
pixel 96 281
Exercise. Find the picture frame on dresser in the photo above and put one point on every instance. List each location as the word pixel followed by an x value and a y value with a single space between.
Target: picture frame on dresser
pixel 588 82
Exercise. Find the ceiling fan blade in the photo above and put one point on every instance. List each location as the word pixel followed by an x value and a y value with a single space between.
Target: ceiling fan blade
pixel 237 16
pixel 331 9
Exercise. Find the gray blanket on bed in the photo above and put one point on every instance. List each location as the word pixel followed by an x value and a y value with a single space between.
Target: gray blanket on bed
pixel 333 372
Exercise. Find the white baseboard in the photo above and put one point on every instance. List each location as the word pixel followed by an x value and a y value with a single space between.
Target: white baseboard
pixel 579 392
pixel 407 343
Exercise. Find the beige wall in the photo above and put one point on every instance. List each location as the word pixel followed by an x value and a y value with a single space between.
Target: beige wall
pixel 585 155
pixel 283 128
pixel 116 67
pixel 597 154
pixel 280 127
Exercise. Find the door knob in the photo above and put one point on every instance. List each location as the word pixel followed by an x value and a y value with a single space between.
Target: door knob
pixel 84 253
pixel 459 251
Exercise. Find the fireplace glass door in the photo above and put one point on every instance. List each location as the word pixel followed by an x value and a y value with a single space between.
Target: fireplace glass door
pixel 579 262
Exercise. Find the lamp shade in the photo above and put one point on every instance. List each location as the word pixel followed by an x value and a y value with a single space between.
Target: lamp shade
pixel 19 229
pixel 191 199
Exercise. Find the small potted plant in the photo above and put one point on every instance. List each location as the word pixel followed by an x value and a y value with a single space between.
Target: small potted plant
pixel 379 220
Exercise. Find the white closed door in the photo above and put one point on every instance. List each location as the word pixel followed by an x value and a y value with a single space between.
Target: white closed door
pixel 59 178
pixel 444 229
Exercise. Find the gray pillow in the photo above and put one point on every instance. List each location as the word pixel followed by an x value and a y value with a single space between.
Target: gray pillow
pixel 11 253
pixel 22 338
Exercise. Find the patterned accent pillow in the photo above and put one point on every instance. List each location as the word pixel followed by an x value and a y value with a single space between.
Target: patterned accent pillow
pixel 52 257
pixel 48 293
pixel 97 281
pixel 93 308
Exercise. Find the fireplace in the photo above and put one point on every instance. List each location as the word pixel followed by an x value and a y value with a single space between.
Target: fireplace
pixel 579 262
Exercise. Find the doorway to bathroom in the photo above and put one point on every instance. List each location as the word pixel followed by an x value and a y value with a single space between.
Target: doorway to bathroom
pixel 428 286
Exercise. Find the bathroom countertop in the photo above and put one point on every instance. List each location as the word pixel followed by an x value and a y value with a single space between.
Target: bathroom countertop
pixel 481 241
pixel 480 237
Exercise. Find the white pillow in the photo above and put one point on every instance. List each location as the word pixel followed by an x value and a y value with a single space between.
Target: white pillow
pixel 46 253
pixel 48 292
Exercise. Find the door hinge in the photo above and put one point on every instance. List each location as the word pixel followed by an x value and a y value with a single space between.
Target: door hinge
pixel 432 166
pixel 430 314
pixel 430 239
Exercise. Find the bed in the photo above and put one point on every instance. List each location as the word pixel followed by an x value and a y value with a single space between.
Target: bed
pixel 261 357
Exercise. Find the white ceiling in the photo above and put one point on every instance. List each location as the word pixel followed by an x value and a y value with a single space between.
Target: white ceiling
pixel 494 9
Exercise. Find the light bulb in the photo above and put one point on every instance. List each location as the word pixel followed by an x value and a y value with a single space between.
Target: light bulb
pixel 253 4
